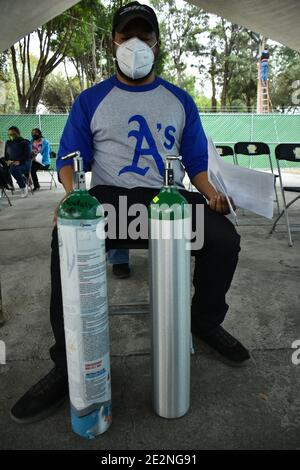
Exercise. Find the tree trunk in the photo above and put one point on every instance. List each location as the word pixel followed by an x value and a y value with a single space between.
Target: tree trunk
pixel 94 61
pixel 248 103
pixel 213 85
pixel 69 82
pixel 30 85
pixel 225 86
pixel 177 66
pixel 35 97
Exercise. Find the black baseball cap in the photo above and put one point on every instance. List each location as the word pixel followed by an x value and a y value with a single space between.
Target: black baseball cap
pixel 134 10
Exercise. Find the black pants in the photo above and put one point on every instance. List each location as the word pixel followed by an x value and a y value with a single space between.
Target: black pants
pixel 6 181
pixel 215 264
pixel 35 166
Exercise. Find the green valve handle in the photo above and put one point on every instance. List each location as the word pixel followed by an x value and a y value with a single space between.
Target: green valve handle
pixel 169 203
pixel 79 204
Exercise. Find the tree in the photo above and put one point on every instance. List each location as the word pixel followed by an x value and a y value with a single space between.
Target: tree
pixel 209 66
pixel 189 84
pixel 212 71
pixel 91 52
pixel 82 35
pixel 85 50
pixel 230 62
pixel 54 40
pixel 30 82
pixel 8 98
pixel 224 38
pixel 180 29
pixel 284 83
pixel 243 85
pixel 57 96
pixel 3 66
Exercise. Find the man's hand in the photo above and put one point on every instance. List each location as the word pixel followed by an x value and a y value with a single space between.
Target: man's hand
pixel 219 204
pixel 66 177
pixel 56 209
pixel 217 201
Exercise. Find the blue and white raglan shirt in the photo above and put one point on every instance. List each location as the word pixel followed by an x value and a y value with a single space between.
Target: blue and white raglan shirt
pixel 124 133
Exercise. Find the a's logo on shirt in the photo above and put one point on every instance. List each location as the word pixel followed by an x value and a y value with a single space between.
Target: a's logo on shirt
pixel 146 146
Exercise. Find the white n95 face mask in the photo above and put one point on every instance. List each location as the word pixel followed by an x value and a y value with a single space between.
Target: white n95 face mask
pixel 135 58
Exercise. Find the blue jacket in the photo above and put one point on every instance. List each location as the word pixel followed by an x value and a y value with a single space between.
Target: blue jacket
pixel 45 151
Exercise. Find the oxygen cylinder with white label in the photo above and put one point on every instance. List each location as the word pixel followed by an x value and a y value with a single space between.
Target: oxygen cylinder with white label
pixel 170 234
pixel 84 291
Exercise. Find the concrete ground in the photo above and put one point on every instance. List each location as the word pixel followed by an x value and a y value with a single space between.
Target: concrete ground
pixel 256 407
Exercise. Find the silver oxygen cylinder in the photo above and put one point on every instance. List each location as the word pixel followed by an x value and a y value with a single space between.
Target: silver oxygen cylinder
pixel 170 232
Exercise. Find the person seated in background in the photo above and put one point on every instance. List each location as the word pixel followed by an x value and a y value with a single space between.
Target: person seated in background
pixel 5 176
pixel 18 157
pixel 40 152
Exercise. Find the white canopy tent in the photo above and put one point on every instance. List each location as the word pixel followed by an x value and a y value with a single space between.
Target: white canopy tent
pixel 276 19
pixel 20 17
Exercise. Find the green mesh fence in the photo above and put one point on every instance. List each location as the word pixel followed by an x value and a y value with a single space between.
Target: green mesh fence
pixel 51 125
pixel 226 129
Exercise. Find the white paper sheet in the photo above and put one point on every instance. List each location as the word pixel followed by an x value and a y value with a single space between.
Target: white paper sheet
pixel 39 158
pixel 249 189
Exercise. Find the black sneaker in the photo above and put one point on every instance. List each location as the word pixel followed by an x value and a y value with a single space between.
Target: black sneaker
pixel 230 349
pixel 121 271
pixel 42 399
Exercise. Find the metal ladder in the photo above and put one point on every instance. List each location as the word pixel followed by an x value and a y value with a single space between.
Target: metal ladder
pixel 265 99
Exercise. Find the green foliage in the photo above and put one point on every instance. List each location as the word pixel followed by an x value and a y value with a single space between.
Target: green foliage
pixel 196 48
pixel 8 96
pixel 90 47
pixel 180 28
pixel 285 79
pixel 3 66
pixel 59 94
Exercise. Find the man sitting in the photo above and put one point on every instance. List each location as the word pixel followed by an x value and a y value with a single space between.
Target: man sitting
pixel 18 157
pixel 124 128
